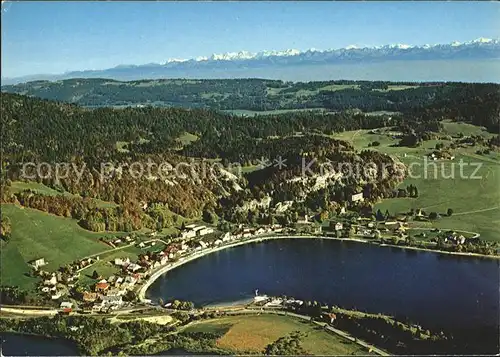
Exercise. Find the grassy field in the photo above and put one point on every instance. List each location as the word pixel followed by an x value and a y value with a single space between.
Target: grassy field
pixel 251 113
pixel 252 334
pixel 475 202
pixel 37 234
pixel 397 87
pixel 105 266
pixel 361 138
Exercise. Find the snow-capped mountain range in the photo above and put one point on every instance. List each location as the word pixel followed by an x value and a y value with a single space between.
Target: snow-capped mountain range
pixel 245 55
pixel 265 64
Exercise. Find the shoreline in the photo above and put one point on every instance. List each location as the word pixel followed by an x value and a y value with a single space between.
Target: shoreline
pixel 141 294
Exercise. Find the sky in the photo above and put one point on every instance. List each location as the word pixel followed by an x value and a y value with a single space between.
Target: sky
pixel 56 37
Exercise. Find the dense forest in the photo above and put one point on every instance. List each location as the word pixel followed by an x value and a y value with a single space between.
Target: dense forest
pixel 463 100
pixel 36 130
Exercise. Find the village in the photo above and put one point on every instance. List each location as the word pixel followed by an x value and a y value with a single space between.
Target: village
pixel 160 253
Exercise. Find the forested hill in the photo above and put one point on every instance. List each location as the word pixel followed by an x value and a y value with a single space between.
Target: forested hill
pixel 36 130
pixel 253 94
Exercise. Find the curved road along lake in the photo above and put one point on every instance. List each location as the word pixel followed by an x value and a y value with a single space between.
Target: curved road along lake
pixel 438 291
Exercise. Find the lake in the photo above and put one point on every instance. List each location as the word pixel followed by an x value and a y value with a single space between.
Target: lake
pixel 438 291
pixel 29 345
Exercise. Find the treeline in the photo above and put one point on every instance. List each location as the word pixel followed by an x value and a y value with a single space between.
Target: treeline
pixel 97 336
pixel 289 345
pixel 398 337
pixel 93 336
pixel 5 228
pixel 40 130
pixel 249 94
pixel 124 218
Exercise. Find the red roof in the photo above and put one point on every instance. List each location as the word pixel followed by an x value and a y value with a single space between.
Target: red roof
pixel 68 309
pixel 102 286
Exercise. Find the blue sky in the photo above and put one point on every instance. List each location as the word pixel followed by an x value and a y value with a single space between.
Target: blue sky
pixel 55 37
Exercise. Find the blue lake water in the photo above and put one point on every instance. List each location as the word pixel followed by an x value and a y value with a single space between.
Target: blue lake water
pixel 436 290
pixel 28 345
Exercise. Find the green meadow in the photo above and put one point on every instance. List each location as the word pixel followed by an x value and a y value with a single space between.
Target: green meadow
pixel 475 201
pixel 252 334
pixel 36 234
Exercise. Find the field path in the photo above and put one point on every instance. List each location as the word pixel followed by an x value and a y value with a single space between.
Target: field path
pixel 355 134
pixel 477 211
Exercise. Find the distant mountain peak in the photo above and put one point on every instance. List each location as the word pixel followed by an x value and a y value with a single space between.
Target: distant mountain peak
pixel 482 40
pixel 246 55
pixel 477 49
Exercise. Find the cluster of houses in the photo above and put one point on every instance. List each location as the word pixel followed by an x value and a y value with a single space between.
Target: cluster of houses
pixel 115 242
pixel 245 233
pixel 108 293
pixel 57 284
pixel 441 155
pixel 53 284
pixel 454 238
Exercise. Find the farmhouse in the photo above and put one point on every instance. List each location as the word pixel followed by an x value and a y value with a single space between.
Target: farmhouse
pixel 37 263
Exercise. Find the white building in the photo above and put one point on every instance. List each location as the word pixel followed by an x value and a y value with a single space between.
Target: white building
pixel 37 263
pixel 203 245
pixel 261 230
pixel 205 231
pixel 357 197
pixel 188 234
pixel 119 261
pixel 66 305
pixel 226 237
pixel 133 267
